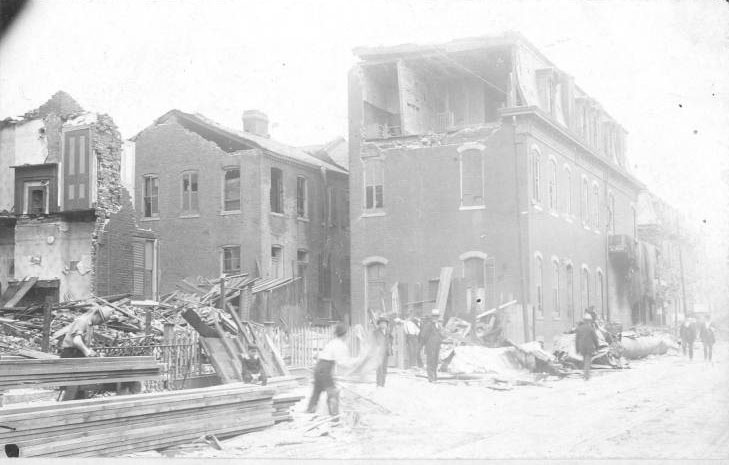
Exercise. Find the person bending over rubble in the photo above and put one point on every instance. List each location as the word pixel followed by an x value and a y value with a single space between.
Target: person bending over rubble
pixel 586 342
pixel 252 369
pixel 73 345
pixel 335 353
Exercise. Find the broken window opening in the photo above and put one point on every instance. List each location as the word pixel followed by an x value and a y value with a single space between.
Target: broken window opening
pixel 277 190
pixel 36 198
pixel 151 196
pixel 231 190
pixel 381 102
pixel 231 259
pixel 189 193
pixel 301 197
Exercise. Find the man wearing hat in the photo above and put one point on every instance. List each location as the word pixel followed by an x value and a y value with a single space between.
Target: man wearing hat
pixel 383 342
pixel 431 337
pixel 73 345
pixel 586 342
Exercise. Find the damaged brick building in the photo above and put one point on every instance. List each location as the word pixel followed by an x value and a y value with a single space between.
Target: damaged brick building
pixel 67 229
pixel 481 155
pixel 229 201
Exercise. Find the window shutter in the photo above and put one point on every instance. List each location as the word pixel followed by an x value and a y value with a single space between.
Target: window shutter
pixel 139 268
pixel 76 177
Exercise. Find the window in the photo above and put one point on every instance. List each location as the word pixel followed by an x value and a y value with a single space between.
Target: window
pixel 301 197
pixel 595 207
pixel 585 289
pixel 611 213
pixel 151 196
pixel 536 174
pixel 302 264
pixel 231 190
pixel 568 190
pixel 473 274
pixel 277 261
pixel 189 193
pixel 231 259
pixel 570 290
pixel 277 190
pixel 585 202
pixel 374 184
pixel 552 185
pixel 325 278
pixel 555 289
pixel 144 274
pixel 332 206
pixel 77 180
pixel 375 290
pixel 36 201
pixel 539 278
pixel 599 293
pixel 472 175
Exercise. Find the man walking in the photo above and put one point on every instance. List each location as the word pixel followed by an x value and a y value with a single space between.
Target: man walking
pixel 383 343
pixel 688 337
pixel 431 337
pixel 335 353
pixel 586 342
pixel 707 338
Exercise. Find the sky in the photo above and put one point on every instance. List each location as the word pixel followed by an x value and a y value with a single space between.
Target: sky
pixel 660 67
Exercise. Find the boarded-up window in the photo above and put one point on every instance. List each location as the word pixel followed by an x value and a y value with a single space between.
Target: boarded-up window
pixel 277 192
pixel 231 186
pixel 472 178
pixel 150 196
pixel 301 197
pixel 143 273
pixel 376 292
pixel 190 204
pixel 76 176
pixel 374 184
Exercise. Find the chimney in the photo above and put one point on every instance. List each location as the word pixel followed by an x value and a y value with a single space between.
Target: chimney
pixel 255 122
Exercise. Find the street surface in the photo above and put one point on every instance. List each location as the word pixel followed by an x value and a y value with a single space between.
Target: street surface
pixel 663 407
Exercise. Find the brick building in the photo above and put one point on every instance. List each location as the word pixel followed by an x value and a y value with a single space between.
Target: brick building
pixel 65 218
pixel 236 201
pixel 481 155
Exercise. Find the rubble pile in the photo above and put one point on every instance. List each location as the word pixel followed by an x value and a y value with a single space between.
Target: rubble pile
pixel 608 354
pixel 640 342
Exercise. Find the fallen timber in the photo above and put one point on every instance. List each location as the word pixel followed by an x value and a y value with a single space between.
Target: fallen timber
pixel 76 371
pixel 117 425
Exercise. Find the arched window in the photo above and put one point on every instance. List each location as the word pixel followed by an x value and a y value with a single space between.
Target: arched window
pixel 539 278
pixel 570 291
pixel 552 185
pixel 599 293
pixel 472 175
pixel 585 289
pixel 555 288
pixel 568 190
pixel 595 206
pixel 536 175
pixel 585 202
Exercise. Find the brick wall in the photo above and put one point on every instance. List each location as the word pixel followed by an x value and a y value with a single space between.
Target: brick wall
pixel 114 255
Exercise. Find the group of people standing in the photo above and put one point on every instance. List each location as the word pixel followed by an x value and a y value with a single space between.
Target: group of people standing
pixel 704 330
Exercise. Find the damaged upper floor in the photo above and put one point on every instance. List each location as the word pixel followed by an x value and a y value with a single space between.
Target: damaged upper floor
pixel 412 90
pixel 57 159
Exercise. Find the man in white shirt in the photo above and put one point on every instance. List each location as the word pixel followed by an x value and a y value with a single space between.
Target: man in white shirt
pixel 335 353
pixel 412 330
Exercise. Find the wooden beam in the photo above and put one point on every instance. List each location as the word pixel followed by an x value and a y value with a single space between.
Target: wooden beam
pixel 444 286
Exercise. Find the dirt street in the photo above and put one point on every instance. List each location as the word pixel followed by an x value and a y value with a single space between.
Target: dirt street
pixel 662 407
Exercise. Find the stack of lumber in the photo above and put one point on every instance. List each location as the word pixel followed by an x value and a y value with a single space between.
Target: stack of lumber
pixel 115 426
pixel 282 404
pixel 75 371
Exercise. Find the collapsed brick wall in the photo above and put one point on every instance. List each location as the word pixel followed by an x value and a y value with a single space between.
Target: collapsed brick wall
pixel 115 250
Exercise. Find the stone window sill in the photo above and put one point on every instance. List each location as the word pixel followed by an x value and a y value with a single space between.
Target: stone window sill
pixel 196 215
pixel 304 219
pixel 147 219
pixel 373 214
pixel 280 215
pixel 231 212
pixel 472 207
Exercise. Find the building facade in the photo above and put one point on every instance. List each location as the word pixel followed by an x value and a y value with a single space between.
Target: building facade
pixel 481 155
pixel 227 201
pixel 65 219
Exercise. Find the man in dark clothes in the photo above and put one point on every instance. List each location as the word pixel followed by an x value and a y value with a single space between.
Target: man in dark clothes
pixel 688 337
pixel 707 338
pixel 383 342
pixel 252 369
pixel 431 337
pixel 586 342
pixel 73 345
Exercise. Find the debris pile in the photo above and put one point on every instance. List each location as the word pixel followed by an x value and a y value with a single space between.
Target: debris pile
pixel 640 342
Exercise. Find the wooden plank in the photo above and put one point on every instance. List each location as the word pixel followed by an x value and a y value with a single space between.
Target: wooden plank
pixel 444 285
pixel 282 368
pixel 211 347
pixel 11 290
pixel 27 285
